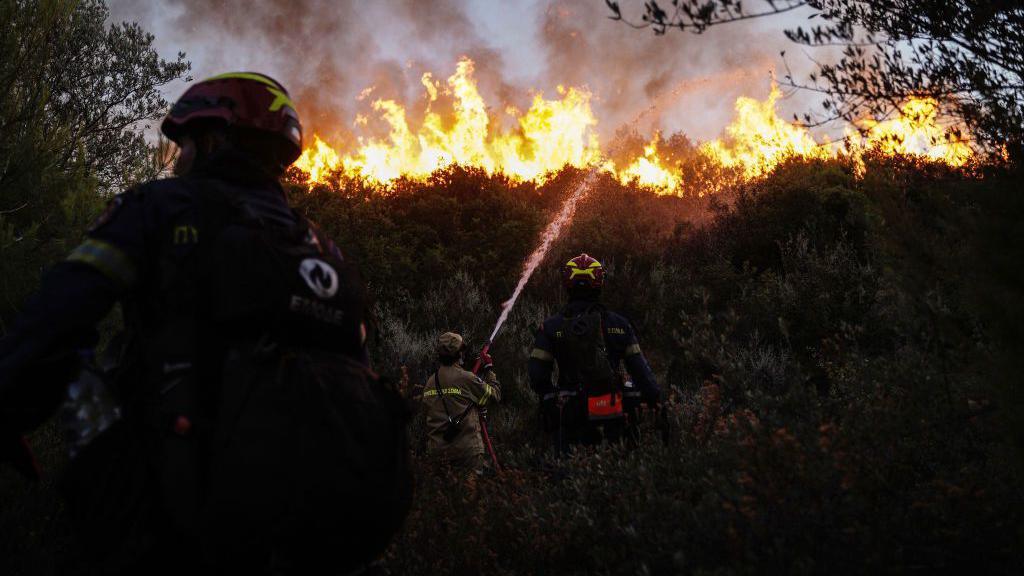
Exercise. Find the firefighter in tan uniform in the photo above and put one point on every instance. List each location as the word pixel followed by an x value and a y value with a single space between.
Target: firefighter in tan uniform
pixel 452 399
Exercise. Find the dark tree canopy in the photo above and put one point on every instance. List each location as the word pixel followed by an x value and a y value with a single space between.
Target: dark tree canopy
pixel 77 96
pixel 968 55
pixel 86 86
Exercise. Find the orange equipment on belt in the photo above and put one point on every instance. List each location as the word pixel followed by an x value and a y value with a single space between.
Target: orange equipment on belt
pixel 605 407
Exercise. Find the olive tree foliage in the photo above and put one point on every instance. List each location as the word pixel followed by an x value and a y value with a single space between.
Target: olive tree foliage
pixel 77 94
pixel 968 55
pixel 96 85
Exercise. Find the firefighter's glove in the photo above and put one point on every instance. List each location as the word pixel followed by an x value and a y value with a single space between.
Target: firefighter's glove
pixel 550 414
pixel 485 360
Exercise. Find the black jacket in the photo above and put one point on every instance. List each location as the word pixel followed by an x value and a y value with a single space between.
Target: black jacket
pixel 120 259
pixel 622 348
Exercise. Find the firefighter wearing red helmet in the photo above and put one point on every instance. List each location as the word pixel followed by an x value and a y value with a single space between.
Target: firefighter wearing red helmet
pixel 593 397
pixel 583 274
pixel 226 451
pixel 245 112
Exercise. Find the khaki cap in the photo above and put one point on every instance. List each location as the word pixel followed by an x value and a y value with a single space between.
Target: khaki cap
pixel 449 344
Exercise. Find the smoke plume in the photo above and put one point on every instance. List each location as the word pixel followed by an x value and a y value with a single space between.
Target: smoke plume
pixel 328 52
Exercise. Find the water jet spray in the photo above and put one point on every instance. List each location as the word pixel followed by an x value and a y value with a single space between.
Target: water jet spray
pixel 551 233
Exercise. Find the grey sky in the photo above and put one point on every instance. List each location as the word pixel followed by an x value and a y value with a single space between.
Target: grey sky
pixel 327 52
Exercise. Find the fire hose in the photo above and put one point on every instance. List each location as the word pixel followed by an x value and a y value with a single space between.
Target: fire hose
pixel 483 421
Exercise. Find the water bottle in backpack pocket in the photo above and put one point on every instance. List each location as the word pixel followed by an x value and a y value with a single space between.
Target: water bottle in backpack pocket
pixel 90 407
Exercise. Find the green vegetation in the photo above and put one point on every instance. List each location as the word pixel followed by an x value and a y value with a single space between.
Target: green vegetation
pixel 76 101
pixel 837 350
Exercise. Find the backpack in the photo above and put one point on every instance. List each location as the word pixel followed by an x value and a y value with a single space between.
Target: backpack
pixel 583 364
pixel 271 442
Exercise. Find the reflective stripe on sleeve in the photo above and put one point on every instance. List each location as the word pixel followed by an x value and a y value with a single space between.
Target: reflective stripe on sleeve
pixel 107 258
pixel 488 392
pixel 632 349
pixel 542 355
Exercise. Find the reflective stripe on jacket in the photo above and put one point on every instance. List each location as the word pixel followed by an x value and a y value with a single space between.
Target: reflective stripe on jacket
pixel 459 389
pixel 623 349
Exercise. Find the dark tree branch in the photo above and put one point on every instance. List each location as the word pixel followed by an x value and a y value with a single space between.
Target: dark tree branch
pixel 967 55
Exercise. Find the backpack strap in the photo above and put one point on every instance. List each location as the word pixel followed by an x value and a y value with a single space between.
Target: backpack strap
pixel 596 306
pixel 440 394
pixel 437 385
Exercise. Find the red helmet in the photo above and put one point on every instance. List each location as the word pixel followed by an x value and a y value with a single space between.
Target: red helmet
pixel 583 272
pixel 242 99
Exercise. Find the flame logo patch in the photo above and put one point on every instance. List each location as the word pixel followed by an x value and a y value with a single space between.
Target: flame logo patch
pixel 320 277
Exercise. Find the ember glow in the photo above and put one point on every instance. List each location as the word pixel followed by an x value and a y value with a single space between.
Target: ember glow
pixel 554 133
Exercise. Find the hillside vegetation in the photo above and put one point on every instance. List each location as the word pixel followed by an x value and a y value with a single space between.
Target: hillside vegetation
pixel 839 350
pixel 837 355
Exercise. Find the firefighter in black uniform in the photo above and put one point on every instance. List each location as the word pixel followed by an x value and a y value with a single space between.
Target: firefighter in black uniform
pixel 594 397
pixel 240 129
pixel 123 247
pixel 237 134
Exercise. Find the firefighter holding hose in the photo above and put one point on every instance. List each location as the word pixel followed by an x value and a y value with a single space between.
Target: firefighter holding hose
pixel 453 399
pixel 593 398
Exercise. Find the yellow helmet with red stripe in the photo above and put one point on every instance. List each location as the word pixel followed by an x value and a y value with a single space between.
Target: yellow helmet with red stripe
pixel 583 271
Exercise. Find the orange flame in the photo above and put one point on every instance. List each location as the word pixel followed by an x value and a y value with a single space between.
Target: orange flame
pixel 649 172
pixel 552 134
pixel 916 132
pixel 555 133
pixel 318 161
pixel 758 140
